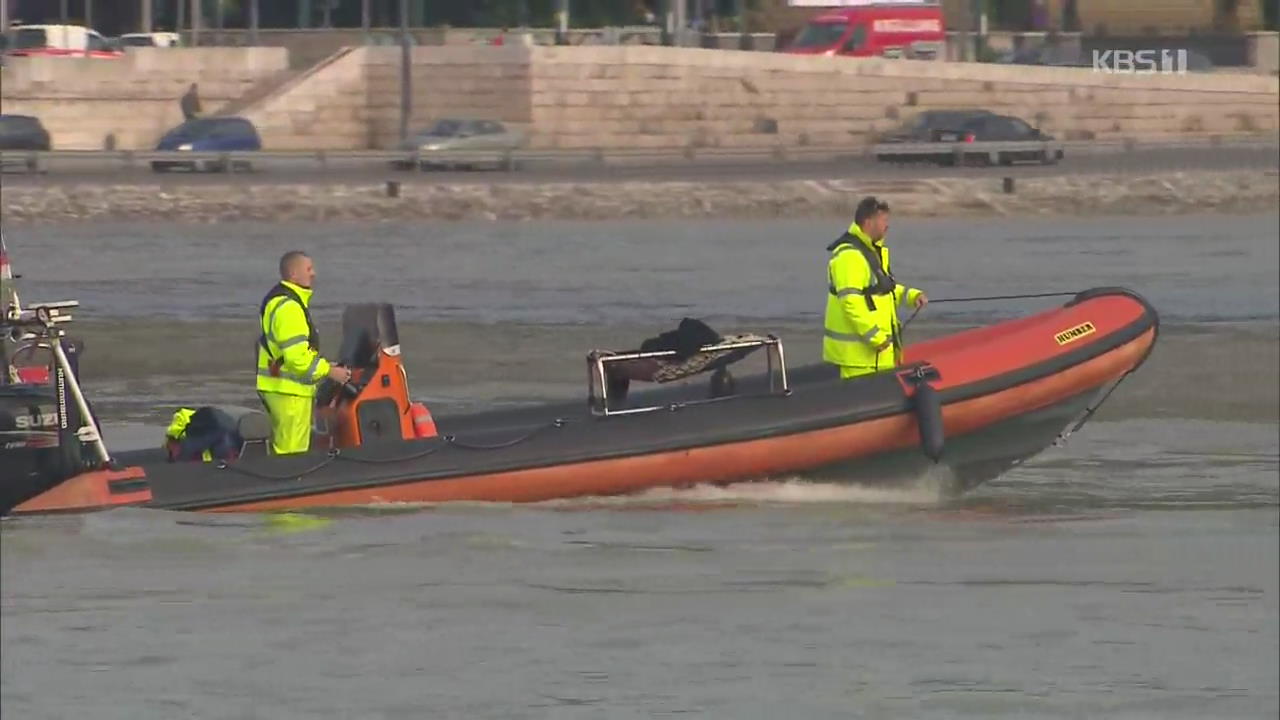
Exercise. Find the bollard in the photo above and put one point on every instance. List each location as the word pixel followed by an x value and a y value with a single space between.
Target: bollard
pixel 1008 186
pixel 393 188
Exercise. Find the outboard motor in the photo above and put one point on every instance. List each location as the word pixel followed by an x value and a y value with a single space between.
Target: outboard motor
pixel 374 407
pixel 39 445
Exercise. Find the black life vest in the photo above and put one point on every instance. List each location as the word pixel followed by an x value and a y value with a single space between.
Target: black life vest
pixel 282 290
pixel 882 281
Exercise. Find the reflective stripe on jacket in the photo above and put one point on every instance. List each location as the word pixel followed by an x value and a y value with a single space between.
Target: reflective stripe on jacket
pixel 287 361
pixel 862 305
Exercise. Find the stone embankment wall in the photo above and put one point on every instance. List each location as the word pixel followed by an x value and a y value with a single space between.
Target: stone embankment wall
pixel 128 102
pixel 661 97
pixel 655 97
pixel 619 97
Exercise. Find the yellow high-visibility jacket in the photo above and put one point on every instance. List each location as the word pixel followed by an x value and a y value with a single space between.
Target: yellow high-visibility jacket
pixel 289 359
pixel 862 305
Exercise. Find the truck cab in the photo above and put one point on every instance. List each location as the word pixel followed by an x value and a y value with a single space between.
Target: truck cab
pixel 873 28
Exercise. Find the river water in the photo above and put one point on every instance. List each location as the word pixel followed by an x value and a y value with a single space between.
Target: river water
pixel 1131 574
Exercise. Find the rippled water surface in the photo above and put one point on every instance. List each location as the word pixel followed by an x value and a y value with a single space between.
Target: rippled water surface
pixel 1131 574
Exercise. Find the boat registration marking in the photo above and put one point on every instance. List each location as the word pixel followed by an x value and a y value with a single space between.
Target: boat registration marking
pixel 1072 334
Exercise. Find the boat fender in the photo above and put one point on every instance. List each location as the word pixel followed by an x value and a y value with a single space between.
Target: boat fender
pixel 423 425
pixel 929 419
pixel 928 407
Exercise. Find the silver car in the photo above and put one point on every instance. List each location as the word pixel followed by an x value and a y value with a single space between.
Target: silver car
pixel 468 143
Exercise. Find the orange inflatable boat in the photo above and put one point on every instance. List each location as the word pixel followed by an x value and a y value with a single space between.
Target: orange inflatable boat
pixel 977 402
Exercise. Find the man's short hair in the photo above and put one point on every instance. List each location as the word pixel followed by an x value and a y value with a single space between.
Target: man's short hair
pixel 869 206
pixel 288 260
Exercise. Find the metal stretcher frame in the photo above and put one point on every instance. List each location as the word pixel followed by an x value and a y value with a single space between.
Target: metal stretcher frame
pixel 598 383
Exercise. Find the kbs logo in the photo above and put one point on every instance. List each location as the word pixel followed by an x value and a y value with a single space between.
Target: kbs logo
pixel 1140 62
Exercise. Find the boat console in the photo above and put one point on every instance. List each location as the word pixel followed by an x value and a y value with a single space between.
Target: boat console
pixel 374 406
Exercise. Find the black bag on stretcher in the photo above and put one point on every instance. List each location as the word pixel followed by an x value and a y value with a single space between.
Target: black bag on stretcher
pixel 207 433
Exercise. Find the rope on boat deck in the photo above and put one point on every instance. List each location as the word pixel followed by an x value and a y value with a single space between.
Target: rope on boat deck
pixel 224 465
pixel 387 461
pixel 455 442
pixel 337 454
pixel 1023 296
pixel 333 456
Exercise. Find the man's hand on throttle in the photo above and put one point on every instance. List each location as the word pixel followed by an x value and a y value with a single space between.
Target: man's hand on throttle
pixel 340 374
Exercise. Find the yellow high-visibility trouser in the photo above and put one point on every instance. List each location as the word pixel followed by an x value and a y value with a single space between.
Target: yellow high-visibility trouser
pixel 290 422
pixel 849 371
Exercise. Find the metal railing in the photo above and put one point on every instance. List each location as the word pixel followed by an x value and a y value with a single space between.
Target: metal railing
pixel 598 377
pixel 962 153
pixel 107 160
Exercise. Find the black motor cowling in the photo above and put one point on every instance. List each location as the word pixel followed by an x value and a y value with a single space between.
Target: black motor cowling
pixel 38 443
pixel 39 447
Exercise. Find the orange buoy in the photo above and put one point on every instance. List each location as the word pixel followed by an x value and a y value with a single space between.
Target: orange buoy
pixel 423 425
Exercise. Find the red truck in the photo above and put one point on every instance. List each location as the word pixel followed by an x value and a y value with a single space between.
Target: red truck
pixel 872 28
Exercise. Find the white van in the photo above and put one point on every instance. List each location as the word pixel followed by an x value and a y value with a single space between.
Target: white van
pixel 72 40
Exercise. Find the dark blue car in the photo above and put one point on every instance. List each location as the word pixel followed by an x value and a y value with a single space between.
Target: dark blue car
pixel 211 134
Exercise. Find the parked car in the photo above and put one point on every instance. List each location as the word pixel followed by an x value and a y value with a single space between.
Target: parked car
pixel 978 127
pixel 489 140
pixel 210 134
pixel 24 132
pixel 1004 129
pixel 925 126
pixel 152 39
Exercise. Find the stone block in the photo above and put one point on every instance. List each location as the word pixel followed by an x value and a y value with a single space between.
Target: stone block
pixel 839 127
pixel 827 138
pixel 866 83
pixel 540 141
pixel 581 142
pixel 544 72
pixel 649 142
pixel 877 99
pixel 1037 97
pixel 749 141
pixel 930 99
pixel 857 111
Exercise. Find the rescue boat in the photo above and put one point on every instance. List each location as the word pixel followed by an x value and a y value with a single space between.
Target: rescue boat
pixel 976 402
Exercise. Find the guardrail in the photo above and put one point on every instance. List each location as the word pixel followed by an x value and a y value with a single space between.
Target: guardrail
pixel 968 153
pixel 106 160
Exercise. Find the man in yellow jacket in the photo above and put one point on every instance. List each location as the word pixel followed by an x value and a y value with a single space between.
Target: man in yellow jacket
pixel 289 363
pixel 862 334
